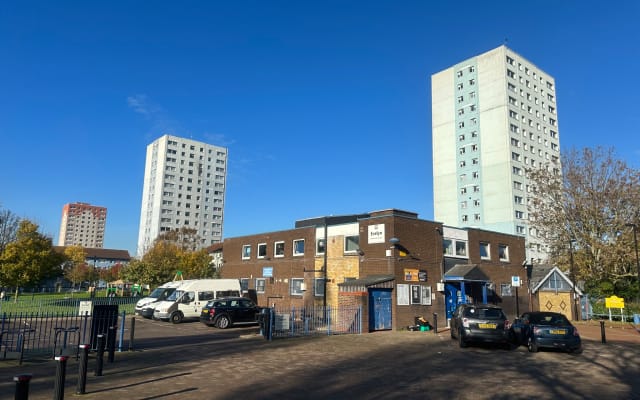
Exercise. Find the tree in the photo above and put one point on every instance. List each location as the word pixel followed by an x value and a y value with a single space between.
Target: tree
pixel 197 264
pixel 185 238
pixel 588 206
pixel 29 259
pixel 9 223
pixel 75 268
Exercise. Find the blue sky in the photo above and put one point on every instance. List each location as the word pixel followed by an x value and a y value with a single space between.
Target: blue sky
pixel 325 106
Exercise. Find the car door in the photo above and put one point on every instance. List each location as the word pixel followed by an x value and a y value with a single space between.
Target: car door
pixel 246 311
pixel 520 328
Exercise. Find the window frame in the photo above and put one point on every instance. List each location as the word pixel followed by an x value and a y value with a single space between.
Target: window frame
pixel 487 247
pixel 261 284
pixel 318 287
pixel 295 249
pixel 246 252
pixel 503 252
pixel 262 246
pixel 279 253
pixel 295 287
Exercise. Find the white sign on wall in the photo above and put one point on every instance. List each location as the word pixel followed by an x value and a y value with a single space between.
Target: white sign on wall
pixel 515 281
pixel 376 233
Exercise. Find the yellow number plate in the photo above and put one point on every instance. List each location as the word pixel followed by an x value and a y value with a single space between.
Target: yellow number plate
pixel 487 326
pixel 557 331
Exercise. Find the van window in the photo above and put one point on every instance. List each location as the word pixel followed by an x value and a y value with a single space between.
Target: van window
pixel 205 296
pixel 227 293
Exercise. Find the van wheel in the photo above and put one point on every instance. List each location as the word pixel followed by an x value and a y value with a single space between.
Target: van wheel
pixel 223 322
pixel 176 317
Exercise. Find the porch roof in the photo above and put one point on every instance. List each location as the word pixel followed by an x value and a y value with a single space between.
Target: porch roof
pixel 466 272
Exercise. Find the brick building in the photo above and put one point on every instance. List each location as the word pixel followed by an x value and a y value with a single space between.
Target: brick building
pixel 394 264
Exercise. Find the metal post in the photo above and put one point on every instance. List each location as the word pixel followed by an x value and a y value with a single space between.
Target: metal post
pixel 61 372
pixel 111 343
pixel 99 355
pixel 435 323
pixel 82 368
pixel 573 283
pixel 22 386
pixel 132 333
pixel 602 334
pixel 121 337
pixel 517 304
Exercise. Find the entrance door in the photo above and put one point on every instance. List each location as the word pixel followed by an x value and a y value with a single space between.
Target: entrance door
pixel 451 298
pixel 379 309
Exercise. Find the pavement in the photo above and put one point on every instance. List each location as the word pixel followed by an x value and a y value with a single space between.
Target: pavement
pixel 191 361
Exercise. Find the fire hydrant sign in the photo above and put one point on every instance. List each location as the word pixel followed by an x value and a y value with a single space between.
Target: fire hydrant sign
pixel 613 302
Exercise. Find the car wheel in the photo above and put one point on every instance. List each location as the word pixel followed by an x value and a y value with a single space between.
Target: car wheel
pixel 532 346
pixel 223 322
pixel 176 317
pixel 461 341
pixel 452 336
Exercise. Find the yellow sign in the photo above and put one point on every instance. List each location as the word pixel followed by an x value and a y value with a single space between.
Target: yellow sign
pixel 411 275
pixel 613 302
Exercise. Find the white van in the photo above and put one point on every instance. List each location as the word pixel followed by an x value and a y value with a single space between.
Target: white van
pixel 160 293
pixel 187 300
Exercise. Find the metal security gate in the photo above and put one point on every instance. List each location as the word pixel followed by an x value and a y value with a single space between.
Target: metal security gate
pixel 379 309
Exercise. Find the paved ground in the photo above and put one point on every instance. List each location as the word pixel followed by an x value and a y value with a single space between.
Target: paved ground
pixel 191 361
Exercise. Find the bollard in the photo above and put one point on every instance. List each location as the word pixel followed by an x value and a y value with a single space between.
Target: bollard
pixel 435 323
pixel 61 371
pixel 131 333
pixel 22 386
pixel 99 355
pixel 82 369
pixel 111 343
pixel 602 334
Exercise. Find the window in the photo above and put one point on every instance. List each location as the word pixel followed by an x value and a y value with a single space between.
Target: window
pixel 503 252
pixel 262 250
pixel 244 284
pixel 484 251
pixel 246 251
pixel 351 244
pixel 296 287
pixel 260 284
pixel 298 247
pixel 505 289
pixel 318 287
pixel 278 249
pixel 447 247
pixel 519 214
pixel 320 246
pixel 555 282
pixel 461 248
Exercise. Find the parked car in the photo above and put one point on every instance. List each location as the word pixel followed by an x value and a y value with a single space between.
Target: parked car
pixel 480 323
pixel 225 312
pixel 546 329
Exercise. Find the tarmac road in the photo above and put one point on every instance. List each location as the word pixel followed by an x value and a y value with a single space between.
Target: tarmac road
pixel 193 361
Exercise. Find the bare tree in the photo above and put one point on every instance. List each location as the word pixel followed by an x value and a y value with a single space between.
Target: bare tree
pixel 586 209
pixel 9 223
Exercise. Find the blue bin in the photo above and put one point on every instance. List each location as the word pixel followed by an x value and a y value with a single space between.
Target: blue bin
pixel 636 319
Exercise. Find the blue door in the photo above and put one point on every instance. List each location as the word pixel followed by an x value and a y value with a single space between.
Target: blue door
pixel 379 309
pixel 451 298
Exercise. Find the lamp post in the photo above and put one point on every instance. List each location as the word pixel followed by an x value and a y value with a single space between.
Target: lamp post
pixel 573 281
pixel 635 242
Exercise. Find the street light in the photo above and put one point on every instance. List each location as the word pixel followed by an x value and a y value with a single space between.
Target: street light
pixel 573 281
pixel 635 242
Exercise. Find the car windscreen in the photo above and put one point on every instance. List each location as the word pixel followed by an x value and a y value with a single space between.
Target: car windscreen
pixel 484 313
pixel 161 293
pixel 549 319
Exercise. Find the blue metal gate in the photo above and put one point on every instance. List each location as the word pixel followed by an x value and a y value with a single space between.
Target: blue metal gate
pixel 379 309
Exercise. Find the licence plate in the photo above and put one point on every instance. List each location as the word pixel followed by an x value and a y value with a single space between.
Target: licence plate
pixel 487 326
pixel 557 331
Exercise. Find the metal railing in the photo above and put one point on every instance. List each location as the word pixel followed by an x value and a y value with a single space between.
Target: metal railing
pixel 313 321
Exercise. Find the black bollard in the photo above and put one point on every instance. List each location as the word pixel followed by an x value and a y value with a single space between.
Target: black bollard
pixel 82 369
pixel 602 334
pixel 435 323
pixel 133 329
pixel 22 386
pixel 111 343
pixel 61 372
pixel 99 355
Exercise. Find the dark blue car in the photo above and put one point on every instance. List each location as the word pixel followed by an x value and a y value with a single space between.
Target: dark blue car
pixel 544 329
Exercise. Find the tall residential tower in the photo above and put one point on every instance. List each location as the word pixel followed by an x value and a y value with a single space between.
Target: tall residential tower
pixel 82 225
pixel 493 117
pixel 184 186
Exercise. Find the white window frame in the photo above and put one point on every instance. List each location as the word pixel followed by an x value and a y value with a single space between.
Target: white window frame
pixel 295 248
pixel 295 285
pixel 246 251
pixel 503 252
pixel 488 252
pixel 347 240
pixel 276 253
pixel 260 285
pixel 262 246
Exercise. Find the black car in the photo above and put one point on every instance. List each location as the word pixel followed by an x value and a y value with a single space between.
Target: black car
pixel 546 329
pixel 479 323
pixel 226 312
